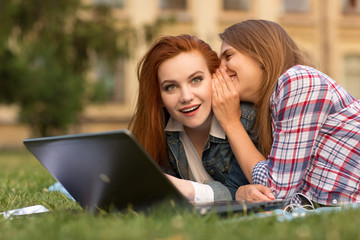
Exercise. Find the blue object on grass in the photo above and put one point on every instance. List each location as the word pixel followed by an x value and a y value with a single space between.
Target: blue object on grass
pixel 57 187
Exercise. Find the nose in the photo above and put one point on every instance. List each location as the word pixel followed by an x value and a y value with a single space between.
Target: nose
pixel 186 95
pixel 223 64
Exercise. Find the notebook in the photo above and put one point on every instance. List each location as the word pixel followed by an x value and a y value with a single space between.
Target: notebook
pixel 111 170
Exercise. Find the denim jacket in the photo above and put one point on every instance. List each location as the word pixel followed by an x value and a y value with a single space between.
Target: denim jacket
pixel 218 159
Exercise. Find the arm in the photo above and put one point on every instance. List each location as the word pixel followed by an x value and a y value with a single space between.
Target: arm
pixel 193 191
pixel 301 104
pixel 226 107
pixel 178 167
pixel 246 192
pixel 184 186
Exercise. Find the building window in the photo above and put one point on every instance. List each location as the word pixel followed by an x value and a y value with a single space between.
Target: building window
pixel 173 4
pixel 351 7
pixel 352 74
pixel 110 3
pixel 296 6
pixel 236 5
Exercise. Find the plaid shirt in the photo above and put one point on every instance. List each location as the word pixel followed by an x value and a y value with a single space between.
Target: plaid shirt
pixel 316 140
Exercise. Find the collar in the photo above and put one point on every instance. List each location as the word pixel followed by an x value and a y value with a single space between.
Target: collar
pixel 215 128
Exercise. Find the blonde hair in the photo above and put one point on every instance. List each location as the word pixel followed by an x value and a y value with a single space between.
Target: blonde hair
pixel 275 51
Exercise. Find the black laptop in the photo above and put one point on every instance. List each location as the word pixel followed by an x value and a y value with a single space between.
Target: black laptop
pixel 111 170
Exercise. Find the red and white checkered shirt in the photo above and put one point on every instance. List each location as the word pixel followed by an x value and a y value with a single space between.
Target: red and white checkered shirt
pixel 316 139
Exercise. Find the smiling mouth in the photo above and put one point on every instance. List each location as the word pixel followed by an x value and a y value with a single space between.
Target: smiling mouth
pixel 188 110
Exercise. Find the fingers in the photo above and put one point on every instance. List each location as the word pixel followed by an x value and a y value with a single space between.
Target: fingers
pixel 254 193
pixel 267 192
pixel 228 89
pixel 222 85
pixel 224 79
pixel 217 87
pixel 221 81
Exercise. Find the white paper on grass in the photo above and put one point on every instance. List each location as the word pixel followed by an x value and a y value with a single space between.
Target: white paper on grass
pixel 24 211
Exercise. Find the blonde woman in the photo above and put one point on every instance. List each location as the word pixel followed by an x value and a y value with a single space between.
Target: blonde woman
pixel 309 126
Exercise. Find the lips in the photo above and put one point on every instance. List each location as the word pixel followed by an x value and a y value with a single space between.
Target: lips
pixel 190 109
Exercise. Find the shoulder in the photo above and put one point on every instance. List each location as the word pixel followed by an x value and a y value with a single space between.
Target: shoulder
pixel 301 84
pixel 300 72
pixel 303 79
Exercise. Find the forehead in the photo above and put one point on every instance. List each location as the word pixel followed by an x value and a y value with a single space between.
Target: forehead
pixel 224 48
pixel 182 65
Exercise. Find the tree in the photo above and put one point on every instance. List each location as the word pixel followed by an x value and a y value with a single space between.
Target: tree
pixel 46 49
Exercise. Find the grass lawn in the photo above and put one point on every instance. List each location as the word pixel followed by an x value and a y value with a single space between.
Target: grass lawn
pixel 23 182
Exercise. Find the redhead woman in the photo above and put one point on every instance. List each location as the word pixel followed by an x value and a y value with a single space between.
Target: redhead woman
pixel 308 125
pixel 174 121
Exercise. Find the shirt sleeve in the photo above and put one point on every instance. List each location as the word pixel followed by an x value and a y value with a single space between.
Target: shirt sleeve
pixel 300 105
pixel 221 192
pixel 203 192
pixel 259 174
pixel 210 192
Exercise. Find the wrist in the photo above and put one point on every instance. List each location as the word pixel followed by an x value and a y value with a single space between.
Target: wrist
pixel 233 126
pixel 188 190
pixel 240 194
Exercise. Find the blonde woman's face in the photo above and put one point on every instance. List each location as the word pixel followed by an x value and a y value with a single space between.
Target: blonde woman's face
pixel 243 70
pixel 185 87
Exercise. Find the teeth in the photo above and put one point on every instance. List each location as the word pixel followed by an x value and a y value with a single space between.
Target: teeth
pixel 190 109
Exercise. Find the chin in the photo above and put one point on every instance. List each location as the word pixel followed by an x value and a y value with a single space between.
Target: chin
pixel 192 124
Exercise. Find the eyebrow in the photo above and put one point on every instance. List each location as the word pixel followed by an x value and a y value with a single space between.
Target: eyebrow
pixel 167 81
pixel 189 77
pixel 195 73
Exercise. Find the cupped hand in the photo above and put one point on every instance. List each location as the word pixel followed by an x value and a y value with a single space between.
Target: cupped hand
pixel 254 193
pixel 225 98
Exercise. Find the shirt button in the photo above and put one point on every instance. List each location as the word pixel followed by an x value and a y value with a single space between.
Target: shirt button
pixel 212 172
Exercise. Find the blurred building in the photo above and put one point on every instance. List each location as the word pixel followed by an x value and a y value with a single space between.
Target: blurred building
pixel 327 30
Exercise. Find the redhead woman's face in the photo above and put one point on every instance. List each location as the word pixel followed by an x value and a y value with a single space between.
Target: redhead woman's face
pixel 244 71
pixel 185 87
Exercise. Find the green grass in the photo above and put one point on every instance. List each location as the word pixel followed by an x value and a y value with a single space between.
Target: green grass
pixel 23 182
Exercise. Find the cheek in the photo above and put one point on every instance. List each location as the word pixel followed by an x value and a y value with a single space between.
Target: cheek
pixel 206 93
pixel 231 64
pixel 209 92
pixel 168 101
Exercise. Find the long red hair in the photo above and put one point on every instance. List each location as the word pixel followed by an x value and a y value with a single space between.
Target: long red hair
pixel 148 121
